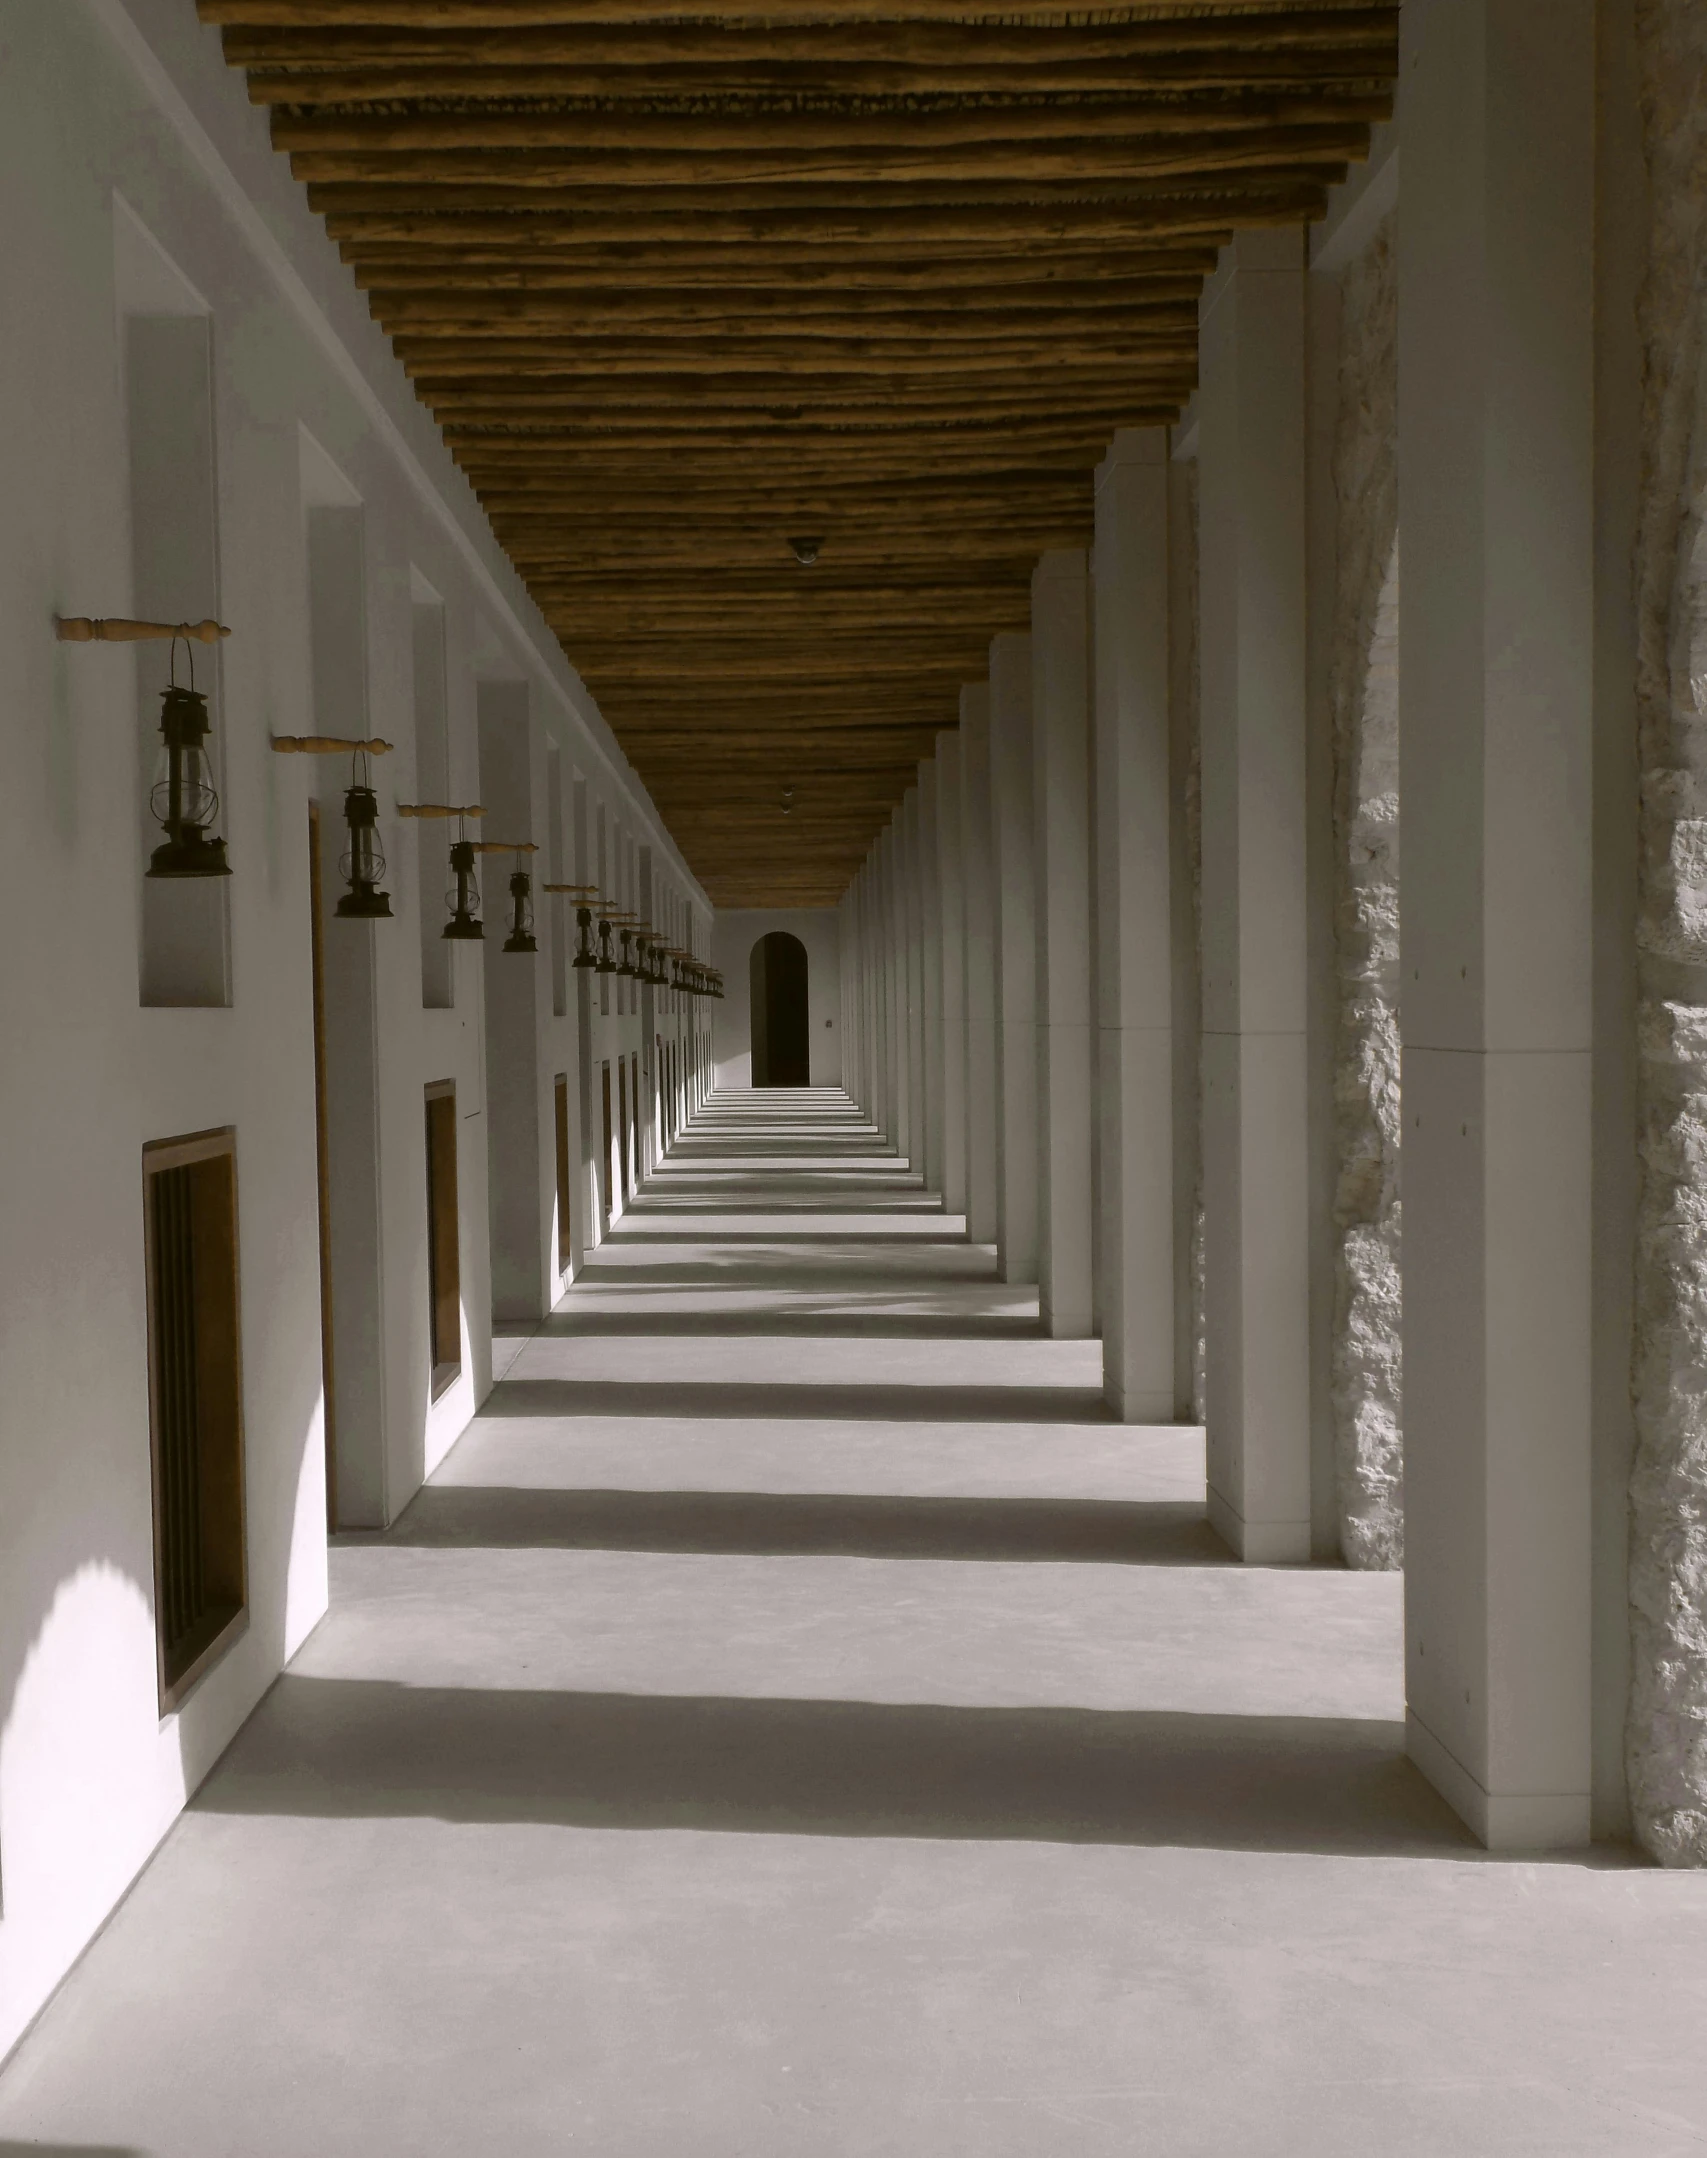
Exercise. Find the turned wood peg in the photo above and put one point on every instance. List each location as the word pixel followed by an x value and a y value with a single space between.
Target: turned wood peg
pixel 505 846
pixel 440 809
pixel 120 629
pixel 325 745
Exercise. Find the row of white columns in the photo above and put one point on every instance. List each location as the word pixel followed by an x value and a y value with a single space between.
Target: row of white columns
pixel 1016 957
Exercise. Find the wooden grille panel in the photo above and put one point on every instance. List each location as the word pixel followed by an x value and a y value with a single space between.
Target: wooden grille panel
pixel 195 1403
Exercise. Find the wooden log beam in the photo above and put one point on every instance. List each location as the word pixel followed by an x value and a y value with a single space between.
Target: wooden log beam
pixel 985 212
pixel 800 402
pixel 1320 148
pixel 1170 300
pixel 331 83
pixel 557 15
pixel 1199 118
pixel 791 367
pixel 757 486
pixel 843 38
pixel 737 271
pixel 650 453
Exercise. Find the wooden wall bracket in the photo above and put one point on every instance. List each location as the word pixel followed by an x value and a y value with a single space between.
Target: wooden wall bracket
pixel 440 809
pixel 505 846
pixel 325 745
pixel 120 629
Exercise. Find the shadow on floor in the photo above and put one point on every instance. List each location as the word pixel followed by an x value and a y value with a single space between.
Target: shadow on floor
pixel 361 1748
pixel 702 1400
pixel 830 1322
pixel 762 1524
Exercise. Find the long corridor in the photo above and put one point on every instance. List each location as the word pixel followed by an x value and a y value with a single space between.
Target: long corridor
pixel 794 1721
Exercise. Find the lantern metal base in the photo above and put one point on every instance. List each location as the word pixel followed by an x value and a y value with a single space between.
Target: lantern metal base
pixel 520 944
pixel 463 930
pixel 196 857
pixel 364 903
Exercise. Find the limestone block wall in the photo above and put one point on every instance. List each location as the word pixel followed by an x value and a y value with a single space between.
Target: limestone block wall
pixel 1364 701
pixel 1666 1745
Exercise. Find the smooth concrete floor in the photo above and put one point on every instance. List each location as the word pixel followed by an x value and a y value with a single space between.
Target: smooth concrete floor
pixel 795 1723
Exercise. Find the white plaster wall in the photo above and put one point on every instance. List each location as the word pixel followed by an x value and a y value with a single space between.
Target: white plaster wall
pixel 735 934
pixel 101 99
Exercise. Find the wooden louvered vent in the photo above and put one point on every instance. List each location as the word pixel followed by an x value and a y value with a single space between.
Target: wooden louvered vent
pixel 444 1237
pixel 195 1403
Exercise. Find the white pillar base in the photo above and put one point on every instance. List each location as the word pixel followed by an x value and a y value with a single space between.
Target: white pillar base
pixel 1502 1820
pixel 1260 1543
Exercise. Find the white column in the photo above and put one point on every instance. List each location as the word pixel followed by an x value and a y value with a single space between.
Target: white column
pixel 916 1106
pixel 885 993
pixel 1255 1124
pixel 1496 495
pixel 1016 956
pixel 1060 659
pixel 1134 936
pixel 930 946
pixel 952 919
pixel 977 884
pixel 898 1064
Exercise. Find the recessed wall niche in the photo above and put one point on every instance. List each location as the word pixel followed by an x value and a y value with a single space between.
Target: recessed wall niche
pixel 166 341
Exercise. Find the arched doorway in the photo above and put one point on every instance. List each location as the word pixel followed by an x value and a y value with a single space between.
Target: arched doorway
pixel 776 975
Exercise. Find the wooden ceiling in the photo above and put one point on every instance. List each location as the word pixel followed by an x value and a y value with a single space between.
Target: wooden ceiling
pixel 686 281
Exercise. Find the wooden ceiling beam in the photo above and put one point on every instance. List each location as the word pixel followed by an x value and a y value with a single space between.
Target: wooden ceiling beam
pixel 1200 118
pixel 757 484
pixel 559 15
pixel 790 368
pixel 330 82
pixel 652 457
pixel 824 216
pixel 799 403
pixel 732 272
pixel 1172 300
pixel 1209 31
pixel 1323 146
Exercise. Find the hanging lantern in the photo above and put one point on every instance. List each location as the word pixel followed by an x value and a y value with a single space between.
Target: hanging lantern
pixel 604 964
pixel 362 864
pixel 465 925
pixel 521 936
pixel 625 966
pixel 585 956
pixel 183 798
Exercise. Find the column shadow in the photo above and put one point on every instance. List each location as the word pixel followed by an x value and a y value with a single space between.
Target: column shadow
pixel 359 1748
pixel 767 1524
pixel 700 1400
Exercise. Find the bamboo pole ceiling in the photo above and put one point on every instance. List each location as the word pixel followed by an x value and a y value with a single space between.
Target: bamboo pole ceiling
pixel 687 281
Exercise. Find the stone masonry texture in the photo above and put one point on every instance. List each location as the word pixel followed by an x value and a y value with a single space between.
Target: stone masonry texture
pixel 1364 697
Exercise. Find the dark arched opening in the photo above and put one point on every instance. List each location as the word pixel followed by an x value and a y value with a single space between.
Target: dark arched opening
pixel 776 975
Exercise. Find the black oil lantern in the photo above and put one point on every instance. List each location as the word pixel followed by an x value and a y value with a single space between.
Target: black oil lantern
pixel 585 956
pixel 604 964
pixel 626 964
pixel 521 937
pixel 183 798
pixel 465 924
pixel 362 864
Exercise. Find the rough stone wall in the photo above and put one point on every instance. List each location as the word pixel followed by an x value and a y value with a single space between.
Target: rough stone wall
pixel 1666 1740
pixel 1364 697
